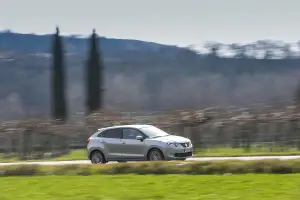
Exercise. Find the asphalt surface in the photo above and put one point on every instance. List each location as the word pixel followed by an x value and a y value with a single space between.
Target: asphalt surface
pixel 189 159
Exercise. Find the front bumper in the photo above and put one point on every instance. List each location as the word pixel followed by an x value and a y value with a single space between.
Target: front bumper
pixel 180 153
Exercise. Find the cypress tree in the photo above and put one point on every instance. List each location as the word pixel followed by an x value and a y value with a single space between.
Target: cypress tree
pixel 94 76
pixel 59 107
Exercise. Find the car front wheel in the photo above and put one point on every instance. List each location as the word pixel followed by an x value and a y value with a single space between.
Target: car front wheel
pixel 155 155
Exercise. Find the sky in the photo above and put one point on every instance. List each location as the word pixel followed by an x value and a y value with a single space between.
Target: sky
pixel 176 22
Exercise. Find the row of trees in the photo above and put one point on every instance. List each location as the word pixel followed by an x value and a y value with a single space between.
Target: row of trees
pixel 93 78
pixel 265 49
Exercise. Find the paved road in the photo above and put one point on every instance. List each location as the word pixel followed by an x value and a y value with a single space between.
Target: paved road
pixel 190 159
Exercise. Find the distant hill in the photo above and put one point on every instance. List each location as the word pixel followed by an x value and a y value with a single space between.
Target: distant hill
pixel 124 48
pixel 32 43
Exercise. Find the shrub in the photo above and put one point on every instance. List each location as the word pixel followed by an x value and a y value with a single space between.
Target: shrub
pixel 207 167
pixel 21 170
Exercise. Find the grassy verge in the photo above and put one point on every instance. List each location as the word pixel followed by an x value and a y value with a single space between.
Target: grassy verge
pixel 142 168
pixel 236 152
pixel 213 152
pixel 73 155
pixel 150 187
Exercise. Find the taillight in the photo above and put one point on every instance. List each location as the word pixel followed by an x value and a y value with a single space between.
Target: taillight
pixel 89 140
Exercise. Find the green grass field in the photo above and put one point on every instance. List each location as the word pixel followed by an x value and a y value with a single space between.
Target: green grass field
pixel 213 152
pixel 150 187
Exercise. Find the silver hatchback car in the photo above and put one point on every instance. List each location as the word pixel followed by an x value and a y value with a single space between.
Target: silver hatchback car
pixel 136 143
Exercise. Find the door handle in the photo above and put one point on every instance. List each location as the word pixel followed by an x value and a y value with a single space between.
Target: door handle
pixel 122 142
pixel 101 141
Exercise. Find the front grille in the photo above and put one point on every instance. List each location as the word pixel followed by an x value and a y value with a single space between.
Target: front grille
pixel 186 144
pixel 183 154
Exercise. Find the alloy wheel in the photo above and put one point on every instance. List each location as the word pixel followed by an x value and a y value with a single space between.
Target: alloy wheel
pixel 155 155
pixel 97 158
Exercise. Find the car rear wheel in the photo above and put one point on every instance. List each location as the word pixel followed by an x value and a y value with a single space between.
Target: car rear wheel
pixel 97 158
pixel 155 155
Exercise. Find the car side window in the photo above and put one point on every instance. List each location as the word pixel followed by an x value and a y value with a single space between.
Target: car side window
pixel 112 133
pixel 130 133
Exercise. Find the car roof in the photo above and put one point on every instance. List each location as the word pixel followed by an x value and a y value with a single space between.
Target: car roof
pixel 138 126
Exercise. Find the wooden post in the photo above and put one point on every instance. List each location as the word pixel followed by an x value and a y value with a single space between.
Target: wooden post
pixel 27 139
pixel 5 144
pixel 65 146
pixel 21 145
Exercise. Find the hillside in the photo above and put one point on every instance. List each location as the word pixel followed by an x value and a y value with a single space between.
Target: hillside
pixel 32 43
pixel 144 76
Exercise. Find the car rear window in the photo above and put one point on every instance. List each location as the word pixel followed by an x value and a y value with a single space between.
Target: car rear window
pixel 112 133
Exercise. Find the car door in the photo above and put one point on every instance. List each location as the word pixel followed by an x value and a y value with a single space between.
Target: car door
pixel 111 141
pixel 133 148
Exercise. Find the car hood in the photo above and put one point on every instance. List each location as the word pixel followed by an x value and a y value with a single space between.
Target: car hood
pixel 171 138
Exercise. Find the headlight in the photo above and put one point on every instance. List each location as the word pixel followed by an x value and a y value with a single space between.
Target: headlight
pixel 173 144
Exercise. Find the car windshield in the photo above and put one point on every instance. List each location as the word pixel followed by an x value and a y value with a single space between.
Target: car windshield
pixel 153 132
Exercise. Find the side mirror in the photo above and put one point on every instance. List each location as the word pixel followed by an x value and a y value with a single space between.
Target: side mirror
pixel 139 137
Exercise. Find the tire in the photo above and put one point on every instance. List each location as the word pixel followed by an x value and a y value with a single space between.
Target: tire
pixel 155 155
pixel 98 158
pixel 121 161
